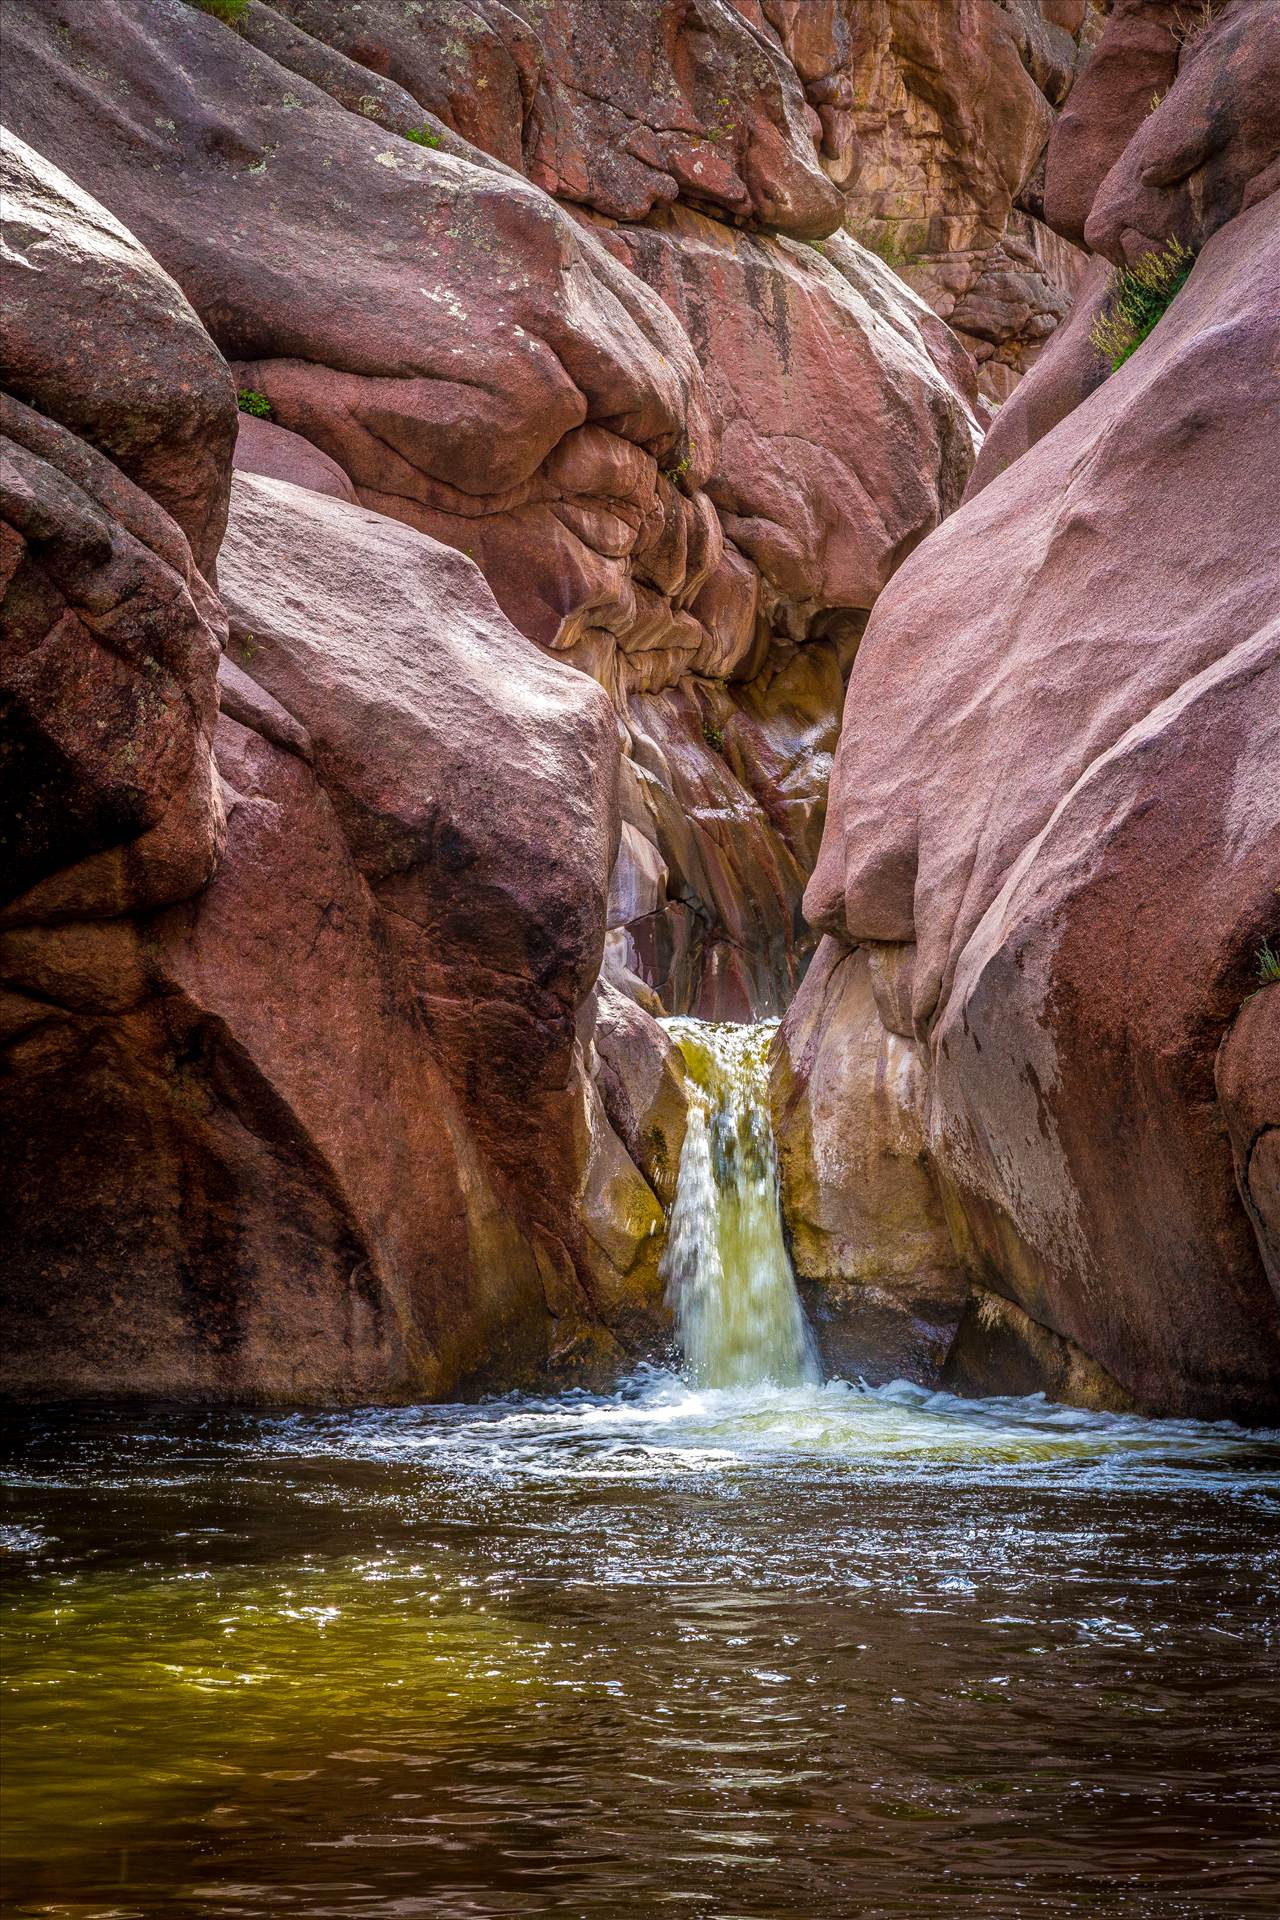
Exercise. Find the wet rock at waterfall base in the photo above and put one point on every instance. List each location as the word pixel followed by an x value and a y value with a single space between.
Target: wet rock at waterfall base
pixel 1069 809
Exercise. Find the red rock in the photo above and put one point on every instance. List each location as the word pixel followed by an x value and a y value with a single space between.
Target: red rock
pixel 107 678
pixel 1071 819
pixel 331 1115
pixel 319 294
pixel 1247 1076
pixel 1209 149
pixel 622 105
pixel 263 447
pixel 865 1224
pixel 1067 372
pixel 474 776
pixel 846 429
pixel 953 107
pixel 159 403
pixel 1134 64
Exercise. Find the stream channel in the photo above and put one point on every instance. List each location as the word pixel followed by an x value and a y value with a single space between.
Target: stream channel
pixel 730 1641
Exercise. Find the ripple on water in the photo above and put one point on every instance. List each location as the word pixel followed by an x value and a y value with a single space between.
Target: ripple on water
pixel 771 1652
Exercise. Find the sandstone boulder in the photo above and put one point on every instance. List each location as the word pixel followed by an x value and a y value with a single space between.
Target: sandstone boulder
pixel 476 363
pixel 1071 818
pixel 622 105
pixel 1170 132
pixel 159 402
pixel 1247 1077
pixel 1133 66
pixel 271 450
pixel 474 778
pixel 1209 148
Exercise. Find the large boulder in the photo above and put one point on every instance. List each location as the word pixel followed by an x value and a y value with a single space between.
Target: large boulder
pixel 110 462
pixel 1209 148
pixel 475 779
pixel 330 1115
pixel 867 1232
pixel 1133 65
pixel 1053 779
pixel 476 363
pixel 294 1102
pixel 159 403
pixel 1247 1077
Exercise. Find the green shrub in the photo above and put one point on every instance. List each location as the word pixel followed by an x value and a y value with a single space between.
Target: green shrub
pixel 713 735
pixel 249 400
pixel 1140 295
pixel 1268 963
pixel 424 137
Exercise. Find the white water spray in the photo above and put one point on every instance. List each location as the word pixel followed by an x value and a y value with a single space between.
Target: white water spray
pixel 729 1281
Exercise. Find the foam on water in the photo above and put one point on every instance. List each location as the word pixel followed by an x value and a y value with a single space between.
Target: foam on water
pixel 729 1282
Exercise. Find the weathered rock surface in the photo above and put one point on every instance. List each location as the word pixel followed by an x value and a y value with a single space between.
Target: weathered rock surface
pixel 330 1115
pixel 1209 148
pixel 845 432
pixel 111 636
pixel 612 453
pixel 159 403
pixel 624 105
pixel 1053 781
pixel 564 293
pixel 870 1244
pixel 1247 1077
pixel 294 1103
pixel 1143 162
pixel 953 107
pixel 266 448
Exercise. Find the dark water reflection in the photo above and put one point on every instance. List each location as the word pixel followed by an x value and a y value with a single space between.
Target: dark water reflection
pixel 827 1653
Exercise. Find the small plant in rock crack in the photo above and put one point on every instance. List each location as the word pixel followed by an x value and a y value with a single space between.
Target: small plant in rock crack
pixel 424 137
pixel 676 473
pixel 1140 296
pixel 901 247
pixel 249 400
pixel 1268 964
pixel 230 12
pixel 713 735
pixel 1190 25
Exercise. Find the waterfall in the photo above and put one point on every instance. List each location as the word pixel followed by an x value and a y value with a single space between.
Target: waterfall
pixel 728 1278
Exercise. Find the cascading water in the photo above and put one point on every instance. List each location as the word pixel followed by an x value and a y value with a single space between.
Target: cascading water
pixel 729 1282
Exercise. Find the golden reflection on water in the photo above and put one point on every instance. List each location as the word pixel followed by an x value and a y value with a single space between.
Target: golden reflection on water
pixel 821 1651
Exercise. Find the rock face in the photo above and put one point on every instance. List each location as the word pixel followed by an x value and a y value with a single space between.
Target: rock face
pixel 1056 783
pixel 589 407
pixel 952 108
pixel 295 1104
pixel 350 854
pixel 112 637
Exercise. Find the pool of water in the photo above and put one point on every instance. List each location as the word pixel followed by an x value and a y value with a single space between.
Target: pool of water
pixel 821 1652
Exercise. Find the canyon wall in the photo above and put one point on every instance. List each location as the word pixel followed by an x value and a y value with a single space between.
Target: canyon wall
pixel 1029 1091
pixel 578 435
pixel 604 367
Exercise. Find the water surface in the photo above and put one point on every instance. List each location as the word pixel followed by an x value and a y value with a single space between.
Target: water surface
pixel 814 1652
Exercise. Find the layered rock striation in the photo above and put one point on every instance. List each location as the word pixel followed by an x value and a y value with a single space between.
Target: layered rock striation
pixel 431 239
pixel 363 808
